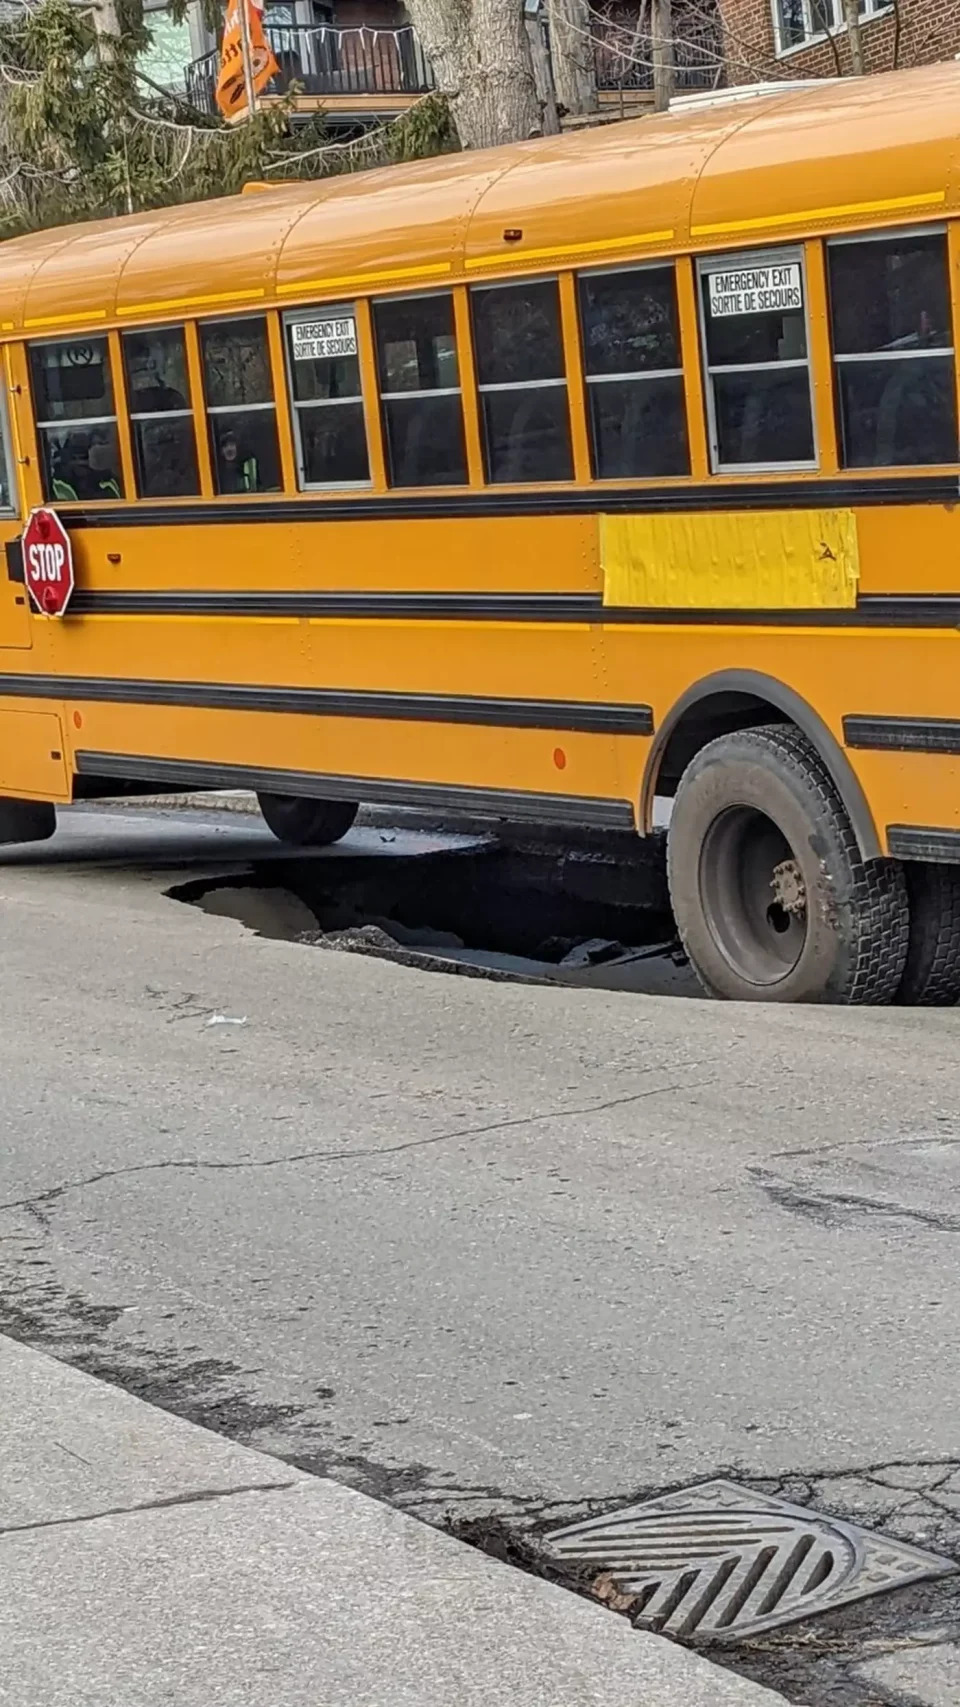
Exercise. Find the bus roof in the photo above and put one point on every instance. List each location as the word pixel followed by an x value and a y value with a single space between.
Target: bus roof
pixel 858 153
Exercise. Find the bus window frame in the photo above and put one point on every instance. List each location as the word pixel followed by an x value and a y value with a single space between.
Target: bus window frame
pixel 278 392
pixel 327 311
pixel 888 234
pixel 383 397
pixel 119 420
pixel 8 426
pixel 666 263
pixel 131 415
pixel 737 258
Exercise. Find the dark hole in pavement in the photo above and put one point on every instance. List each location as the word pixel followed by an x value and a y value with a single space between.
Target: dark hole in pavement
pixel 480 909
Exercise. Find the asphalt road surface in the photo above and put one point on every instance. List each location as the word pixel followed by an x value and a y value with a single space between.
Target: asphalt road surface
pixel 484 1248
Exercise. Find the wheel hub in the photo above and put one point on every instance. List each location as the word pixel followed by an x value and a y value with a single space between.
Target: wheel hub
pixel 789 889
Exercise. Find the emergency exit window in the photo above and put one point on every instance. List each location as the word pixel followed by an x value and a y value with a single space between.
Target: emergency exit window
pixel 753 317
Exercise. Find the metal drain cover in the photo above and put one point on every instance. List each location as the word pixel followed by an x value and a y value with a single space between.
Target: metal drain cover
pixel 721 1562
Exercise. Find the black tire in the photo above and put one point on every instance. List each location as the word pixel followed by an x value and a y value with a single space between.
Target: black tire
pixel 307 823
pixel 772 899
pixel 931 976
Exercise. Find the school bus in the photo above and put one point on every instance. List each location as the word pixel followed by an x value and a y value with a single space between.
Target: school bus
pixel 540 482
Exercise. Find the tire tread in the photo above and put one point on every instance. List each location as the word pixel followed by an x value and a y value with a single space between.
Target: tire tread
pixel 878 888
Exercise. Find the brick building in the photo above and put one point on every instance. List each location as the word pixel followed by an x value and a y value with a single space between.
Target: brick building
pixel 775 39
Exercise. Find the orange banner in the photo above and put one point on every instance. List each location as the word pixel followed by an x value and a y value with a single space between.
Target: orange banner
pixel 232 84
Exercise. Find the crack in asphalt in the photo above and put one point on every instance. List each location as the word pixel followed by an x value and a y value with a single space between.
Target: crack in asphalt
pixel 198 1497
pixel 822 1206
pixel 201 1165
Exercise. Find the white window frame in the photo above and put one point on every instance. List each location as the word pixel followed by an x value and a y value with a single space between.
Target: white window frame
pixel 157 414
pixel 431 391
pixel 631 374
pixel 735 259
pixel 76 422
pixel 328 311
pixel 812 37
pixel 6 434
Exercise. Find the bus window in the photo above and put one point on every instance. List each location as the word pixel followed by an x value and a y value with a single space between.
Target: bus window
pixel 326 396
pixel 754 322
pixel 7 465
pixel 420 391
pixel 521 381
pixel 158 400
pixel 76 420
pixel 893 349
pixel 241 411
pixel 631 358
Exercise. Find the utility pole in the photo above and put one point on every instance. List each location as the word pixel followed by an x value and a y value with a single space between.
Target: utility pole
pixel 661 43
pixel 851 16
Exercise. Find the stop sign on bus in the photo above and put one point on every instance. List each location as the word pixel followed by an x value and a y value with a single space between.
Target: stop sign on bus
pixel 47 562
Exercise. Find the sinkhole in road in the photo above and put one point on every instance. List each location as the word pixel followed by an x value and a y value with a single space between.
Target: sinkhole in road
pixel 477 907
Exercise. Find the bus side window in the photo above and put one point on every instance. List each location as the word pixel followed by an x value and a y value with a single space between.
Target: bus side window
pixel 634 373
pixel 158 399
pixel 522 382
pixel 420 397
pixel 76 420
pixel 893 349
pixel 241 411
pixel 8 485
pixel 754 324
pixel 326 397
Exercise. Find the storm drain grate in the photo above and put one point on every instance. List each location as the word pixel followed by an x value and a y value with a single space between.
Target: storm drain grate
pixel 722 1562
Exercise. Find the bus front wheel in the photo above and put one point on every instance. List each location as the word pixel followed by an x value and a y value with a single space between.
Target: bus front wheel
pixel 772 899
pixel 307 823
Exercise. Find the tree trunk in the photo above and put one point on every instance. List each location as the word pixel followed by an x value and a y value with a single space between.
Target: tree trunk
pixel 543 76
pixel 106 22
pixel 571 46
pixel 481 61
pixel 661 43
pixel 851 15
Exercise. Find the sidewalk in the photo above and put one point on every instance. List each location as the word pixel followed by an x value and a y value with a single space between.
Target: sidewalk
pixel 145 1561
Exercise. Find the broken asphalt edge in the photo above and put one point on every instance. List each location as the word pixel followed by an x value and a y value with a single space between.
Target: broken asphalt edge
pixel 145 1558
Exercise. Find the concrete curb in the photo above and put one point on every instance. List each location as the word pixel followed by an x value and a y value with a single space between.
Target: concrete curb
pixel 146 1560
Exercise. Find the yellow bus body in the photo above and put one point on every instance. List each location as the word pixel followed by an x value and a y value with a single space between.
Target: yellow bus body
pixel 512 648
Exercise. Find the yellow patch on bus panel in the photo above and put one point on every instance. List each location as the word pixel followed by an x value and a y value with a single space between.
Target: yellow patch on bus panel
pixel 736 560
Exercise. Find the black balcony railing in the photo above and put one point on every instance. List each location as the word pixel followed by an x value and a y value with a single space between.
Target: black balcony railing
pixel 326 61
pixel 624 57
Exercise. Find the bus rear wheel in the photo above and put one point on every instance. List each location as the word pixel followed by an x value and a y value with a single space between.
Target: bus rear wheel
pixel 931 976
pixel 772 899
pixel 307 823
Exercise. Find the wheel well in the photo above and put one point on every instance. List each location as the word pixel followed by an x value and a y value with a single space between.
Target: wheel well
pixel 744 699
pixel 717 714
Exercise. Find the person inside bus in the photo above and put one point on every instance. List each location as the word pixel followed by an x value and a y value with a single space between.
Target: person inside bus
pixel 235 472
pixel 84 468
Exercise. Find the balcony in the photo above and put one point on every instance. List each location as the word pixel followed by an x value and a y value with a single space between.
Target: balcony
pixel 623 56
pixel 380 70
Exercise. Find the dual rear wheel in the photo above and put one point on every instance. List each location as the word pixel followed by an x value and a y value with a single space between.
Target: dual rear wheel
pixel 773 900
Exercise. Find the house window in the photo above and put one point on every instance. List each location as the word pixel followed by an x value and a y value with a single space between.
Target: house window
pixel 893 350
pixel 753 316
pixel 800 22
